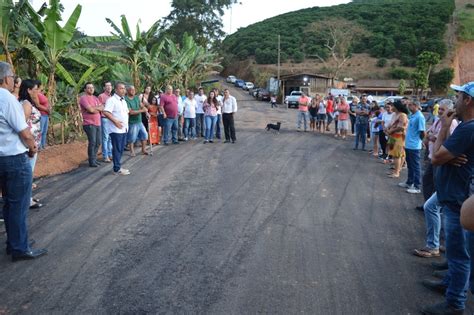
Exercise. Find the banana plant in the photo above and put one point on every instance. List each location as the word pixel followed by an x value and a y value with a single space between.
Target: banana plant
pixel 57 43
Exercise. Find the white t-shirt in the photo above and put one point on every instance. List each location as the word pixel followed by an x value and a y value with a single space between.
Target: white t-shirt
pixel 190 107
pixel 200 100
pixel 322 108
pixel 219 99
pixel 387 119
pixel 117 106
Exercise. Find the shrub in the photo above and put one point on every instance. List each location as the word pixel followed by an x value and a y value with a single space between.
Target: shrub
pixel 382 62
pixel 399 73
pixel 298 57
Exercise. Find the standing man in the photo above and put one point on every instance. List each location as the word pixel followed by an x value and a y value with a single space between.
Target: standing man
pixel 303 103
pixel 136 129
pixel 177 93
pixel 91 109
pixel 452 182
pixel 116 111
pixel 228 109
pixel 45 110
pixel 16 149
pixel 362 122
pixel 353 108
pixel 200 123
pixel 106 141
pixel 169 104
pixel 219 113
pixel 385 123
pixel 413 145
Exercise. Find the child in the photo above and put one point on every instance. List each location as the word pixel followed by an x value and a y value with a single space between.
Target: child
pixel 273 101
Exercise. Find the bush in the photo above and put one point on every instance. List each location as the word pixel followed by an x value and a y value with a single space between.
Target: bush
pixel 298 57
pixel 266 56
pixel 382 62
pixel 399 73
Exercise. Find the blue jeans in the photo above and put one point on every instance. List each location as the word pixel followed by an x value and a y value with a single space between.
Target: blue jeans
pixel 432 221
pixel 44 130
pixel 190 127
pixel 200 125
pixel 119 141
pixel 303 116
pixel 414 167
pixel 16 178
pixel 361 135
pixel 218 126
pixel 106 141
pixel 171 130
pixel 210 125
pixel 458 257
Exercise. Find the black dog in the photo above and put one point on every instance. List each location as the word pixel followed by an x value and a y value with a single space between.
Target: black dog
pixel 274 127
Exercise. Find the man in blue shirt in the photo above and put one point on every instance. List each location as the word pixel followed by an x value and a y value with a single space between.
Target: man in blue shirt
pixel 17 146
pixel 455 157
pixel 362 122
pixel 413 145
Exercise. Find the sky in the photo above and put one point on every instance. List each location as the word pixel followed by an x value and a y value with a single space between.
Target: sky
pixel 92 20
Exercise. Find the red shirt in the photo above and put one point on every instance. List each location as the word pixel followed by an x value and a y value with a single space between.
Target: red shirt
pixel 170 105
pixel 88 118
pixel 343 107
pixel 329 107
pixel 44 102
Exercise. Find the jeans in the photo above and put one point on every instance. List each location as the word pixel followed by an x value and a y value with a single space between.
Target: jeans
pixel 458 259
pixel 190 127
pixel 428 180
pixel 180 127
pixel 200 125
pixel 383 142
pixel 136 131
pixel 432 210
pixel 218 126
pixel 106 141
pixel 210 125
pixel 16 179
pixel 93 136
pixel 414 167
pixel 44 121
pixel 171 130
pixel 361 133
pixel 119 141
pixel 303 116
pixel 229 129
pixel 353 121
pixel 330 118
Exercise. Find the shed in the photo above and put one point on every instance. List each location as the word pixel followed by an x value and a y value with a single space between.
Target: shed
pixel 308 82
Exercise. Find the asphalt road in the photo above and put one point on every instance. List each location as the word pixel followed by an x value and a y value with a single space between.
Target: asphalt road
pixel 280 224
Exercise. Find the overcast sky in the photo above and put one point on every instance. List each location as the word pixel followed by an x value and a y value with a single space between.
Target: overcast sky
pixel 94 12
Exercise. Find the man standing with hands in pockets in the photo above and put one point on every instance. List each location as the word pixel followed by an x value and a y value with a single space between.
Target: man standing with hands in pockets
pixel 229 107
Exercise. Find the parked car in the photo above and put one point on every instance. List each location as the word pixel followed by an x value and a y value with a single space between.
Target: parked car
pixel 252 91
pixel 292 99
pixel 390 98
pixel 256 92
pixel 231 79
pixel 239 83
pixel 248 86
pixel 426 106
pixel 263 95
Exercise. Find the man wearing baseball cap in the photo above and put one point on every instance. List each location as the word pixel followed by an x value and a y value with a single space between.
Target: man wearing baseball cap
pixel 454 156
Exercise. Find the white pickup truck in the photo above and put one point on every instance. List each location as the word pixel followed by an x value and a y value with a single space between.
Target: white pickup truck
pixel 292 99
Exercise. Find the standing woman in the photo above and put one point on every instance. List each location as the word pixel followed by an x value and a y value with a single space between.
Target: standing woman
pixel 321 114
pixel 16 87
pixel 28 92
pixel 144 100
pixel 211 105
pixel 313 113
pixel 153 129
pixel 397 132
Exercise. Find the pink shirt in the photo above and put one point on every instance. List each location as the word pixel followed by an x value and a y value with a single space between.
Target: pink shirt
pixel 170 105
pixel 303 100
pixel 103 99
pixel 89 101
pixel 343 107
pixel 43 101
pixel 435 129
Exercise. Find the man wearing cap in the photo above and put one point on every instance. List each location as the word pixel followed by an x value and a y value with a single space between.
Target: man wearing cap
pixel 454 156
pixel 17 145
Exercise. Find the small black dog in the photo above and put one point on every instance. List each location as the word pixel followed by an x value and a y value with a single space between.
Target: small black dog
pixel 274 127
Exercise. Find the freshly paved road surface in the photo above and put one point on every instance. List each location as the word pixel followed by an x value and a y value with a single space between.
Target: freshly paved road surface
pixel 278 224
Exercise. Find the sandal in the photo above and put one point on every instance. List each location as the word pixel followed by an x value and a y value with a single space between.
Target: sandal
pixel 426 252
pixel 393 175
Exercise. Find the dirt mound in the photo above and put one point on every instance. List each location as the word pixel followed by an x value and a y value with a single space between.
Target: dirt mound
pixel 60 159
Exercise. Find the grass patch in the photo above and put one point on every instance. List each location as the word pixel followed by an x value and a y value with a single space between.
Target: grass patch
pixel 466 25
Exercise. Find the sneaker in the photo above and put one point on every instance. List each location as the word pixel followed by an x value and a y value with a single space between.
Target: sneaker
pixel 426 252
pixel 441 308
pixel 122 171
pixel 186 139
pixel 414 190
pixel 404 185
pixel 435 285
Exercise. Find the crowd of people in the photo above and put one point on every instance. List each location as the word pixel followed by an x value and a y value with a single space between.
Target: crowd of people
pixel 118 119
pixel 400 138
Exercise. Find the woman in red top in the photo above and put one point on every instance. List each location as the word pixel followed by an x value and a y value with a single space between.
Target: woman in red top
pixel 329 111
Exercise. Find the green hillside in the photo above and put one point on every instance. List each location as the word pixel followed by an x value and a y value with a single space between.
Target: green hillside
pixel 396 29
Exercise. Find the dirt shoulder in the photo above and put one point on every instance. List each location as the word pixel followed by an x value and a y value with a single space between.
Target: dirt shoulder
pixel 59 159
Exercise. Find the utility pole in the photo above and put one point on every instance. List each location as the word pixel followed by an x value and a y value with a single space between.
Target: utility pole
pixel 278 66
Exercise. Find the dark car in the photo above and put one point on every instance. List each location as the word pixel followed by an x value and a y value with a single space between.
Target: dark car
pixel 253 91
pixel 428 105
pixel 239 83
pixel 263 95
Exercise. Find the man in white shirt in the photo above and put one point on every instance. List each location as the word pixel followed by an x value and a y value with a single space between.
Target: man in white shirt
pixel 189 114
pixel 200 123
pixel 177 92
pixel 229 107
pixel 116 110
pixel 17 146
pixel 386 122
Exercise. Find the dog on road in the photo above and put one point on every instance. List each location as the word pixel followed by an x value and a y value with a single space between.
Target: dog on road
pixel 274 127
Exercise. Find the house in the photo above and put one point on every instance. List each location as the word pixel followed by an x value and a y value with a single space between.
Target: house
pixel 379 87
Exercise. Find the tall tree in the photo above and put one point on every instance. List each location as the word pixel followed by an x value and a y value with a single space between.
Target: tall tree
pixel 337 37
pixel 202 19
